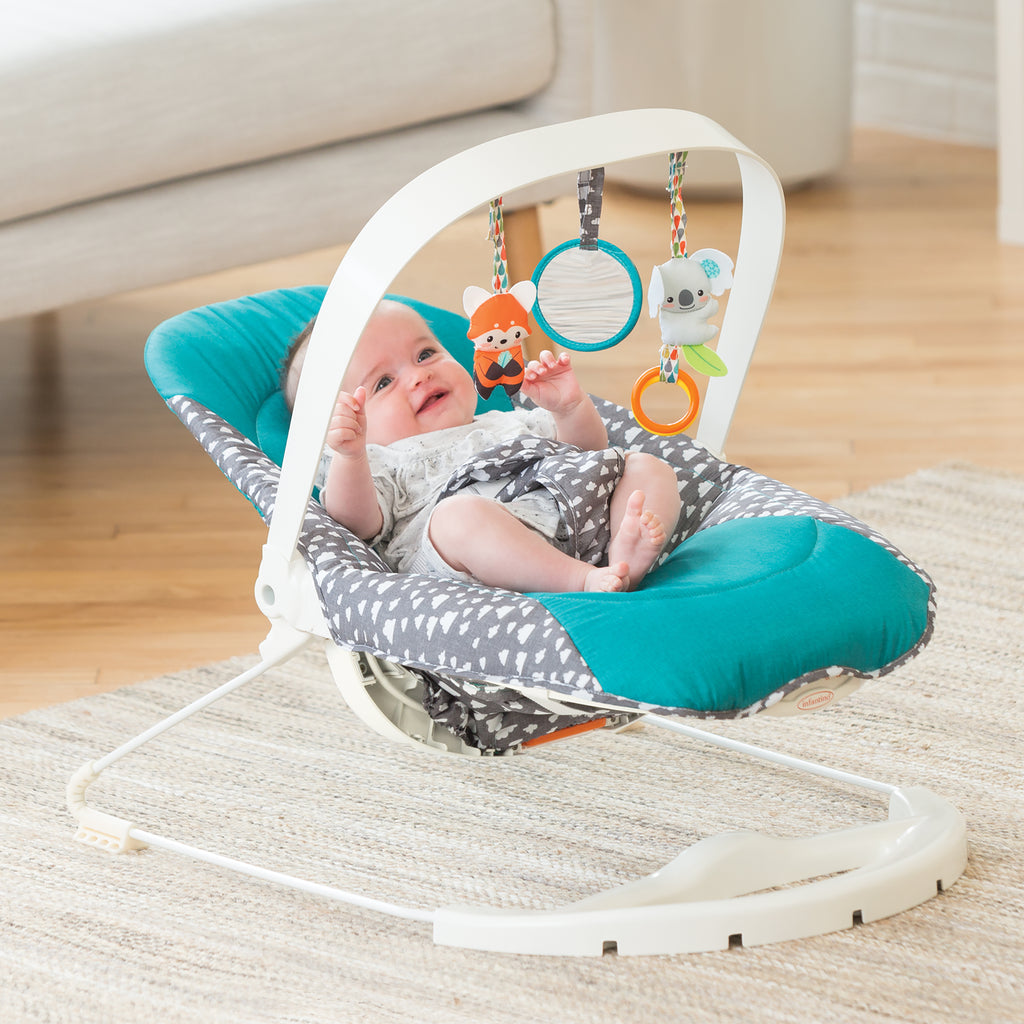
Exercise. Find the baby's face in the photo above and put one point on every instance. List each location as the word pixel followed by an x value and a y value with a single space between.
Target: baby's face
pixel 412 384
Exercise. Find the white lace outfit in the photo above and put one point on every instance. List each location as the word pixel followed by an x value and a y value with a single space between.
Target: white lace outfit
pixel 409 476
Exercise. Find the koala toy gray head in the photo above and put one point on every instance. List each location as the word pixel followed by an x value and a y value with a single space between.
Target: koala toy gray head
pixel 686 284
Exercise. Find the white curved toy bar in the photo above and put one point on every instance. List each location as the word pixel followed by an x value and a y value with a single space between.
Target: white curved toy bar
pixel 717 892
pixel 469 180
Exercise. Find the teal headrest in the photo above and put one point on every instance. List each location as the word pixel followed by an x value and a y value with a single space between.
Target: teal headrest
pixel 227 356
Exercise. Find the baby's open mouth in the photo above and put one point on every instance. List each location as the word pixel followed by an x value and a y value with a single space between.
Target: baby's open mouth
pixel 431 400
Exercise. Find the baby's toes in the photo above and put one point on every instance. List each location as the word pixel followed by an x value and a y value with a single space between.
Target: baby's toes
pixel 654 526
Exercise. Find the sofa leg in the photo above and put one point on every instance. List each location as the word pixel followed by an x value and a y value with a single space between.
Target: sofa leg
pixel 44 330
pixel 46 383
pixel 523 242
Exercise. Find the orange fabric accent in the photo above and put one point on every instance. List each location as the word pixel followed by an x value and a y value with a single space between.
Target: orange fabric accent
pixel 562 734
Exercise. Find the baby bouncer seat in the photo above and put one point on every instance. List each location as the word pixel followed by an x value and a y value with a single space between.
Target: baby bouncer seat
pixel 775 602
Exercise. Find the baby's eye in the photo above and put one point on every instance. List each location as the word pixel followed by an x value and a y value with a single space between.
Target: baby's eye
pixel 426 354
pixel 381 384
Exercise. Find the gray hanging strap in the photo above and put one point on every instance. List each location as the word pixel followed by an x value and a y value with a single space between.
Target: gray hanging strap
pixel 589 187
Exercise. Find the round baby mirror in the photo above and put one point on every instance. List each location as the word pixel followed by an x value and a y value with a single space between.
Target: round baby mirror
pixel 589 294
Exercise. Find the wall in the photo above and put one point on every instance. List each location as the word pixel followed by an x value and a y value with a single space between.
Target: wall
pixel 927 68
pixel 1010 52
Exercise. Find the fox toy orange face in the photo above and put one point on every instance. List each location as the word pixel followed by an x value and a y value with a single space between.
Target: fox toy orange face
pixel 498 326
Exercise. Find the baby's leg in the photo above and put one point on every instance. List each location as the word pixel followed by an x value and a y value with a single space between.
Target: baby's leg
pixel 478 536
pixel 644 508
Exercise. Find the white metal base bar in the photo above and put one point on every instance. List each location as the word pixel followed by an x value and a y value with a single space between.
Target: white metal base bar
pixel 278 878
pixel 109 832
pixel 740 888
pixel 773 756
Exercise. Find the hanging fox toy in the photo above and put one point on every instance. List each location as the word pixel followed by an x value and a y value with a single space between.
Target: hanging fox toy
pixel 498 326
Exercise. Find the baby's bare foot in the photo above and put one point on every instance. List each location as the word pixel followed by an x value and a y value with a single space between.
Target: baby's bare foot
pixel 639 540
pixel 608 579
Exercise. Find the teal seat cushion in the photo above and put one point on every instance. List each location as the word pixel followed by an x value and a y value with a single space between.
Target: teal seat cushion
pixel 227 356
pixel 742 608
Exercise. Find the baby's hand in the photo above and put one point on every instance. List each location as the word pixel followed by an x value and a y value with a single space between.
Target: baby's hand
pixel 346 434
pixel 551 382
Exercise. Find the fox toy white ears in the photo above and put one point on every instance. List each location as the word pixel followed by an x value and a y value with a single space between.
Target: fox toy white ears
pixel 473 297
pixel 524 292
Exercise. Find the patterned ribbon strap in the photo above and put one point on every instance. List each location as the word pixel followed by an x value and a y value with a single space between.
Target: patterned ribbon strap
pixel 590 188
pixel 496 232
pixel 676 170
pixel 668 365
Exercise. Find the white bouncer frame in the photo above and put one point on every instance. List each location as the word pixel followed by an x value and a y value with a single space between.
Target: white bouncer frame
pixel 737 888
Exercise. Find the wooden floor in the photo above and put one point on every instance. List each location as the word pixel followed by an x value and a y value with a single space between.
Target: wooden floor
pixel 895 341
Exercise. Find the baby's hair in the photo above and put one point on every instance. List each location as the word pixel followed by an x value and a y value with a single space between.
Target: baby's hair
pixel 297 344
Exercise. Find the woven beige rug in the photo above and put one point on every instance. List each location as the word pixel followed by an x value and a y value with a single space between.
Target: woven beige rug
pixel 283 774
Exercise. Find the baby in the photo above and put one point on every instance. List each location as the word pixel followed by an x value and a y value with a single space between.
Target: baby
pixel 405 422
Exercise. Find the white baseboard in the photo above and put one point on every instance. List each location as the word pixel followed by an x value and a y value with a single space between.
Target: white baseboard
pixel 1010 64
pixel 1011 225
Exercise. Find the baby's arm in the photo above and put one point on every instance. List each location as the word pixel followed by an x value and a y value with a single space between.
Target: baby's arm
pixel 551 382
pixel 349 495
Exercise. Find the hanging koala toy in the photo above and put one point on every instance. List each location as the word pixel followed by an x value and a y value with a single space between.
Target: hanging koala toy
pixel 681 296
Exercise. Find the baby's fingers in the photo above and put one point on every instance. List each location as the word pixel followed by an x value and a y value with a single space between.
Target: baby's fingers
pixel 351 405
pixel 348 422
pixel 354 400
pixel 548 361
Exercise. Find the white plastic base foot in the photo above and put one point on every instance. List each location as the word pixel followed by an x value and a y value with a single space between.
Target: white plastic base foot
pixel 743 888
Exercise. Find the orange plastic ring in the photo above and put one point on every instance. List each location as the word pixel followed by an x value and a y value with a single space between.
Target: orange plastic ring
pixel 643 382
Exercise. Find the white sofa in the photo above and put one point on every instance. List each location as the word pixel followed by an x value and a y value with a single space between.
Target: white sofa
pixel 146 142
